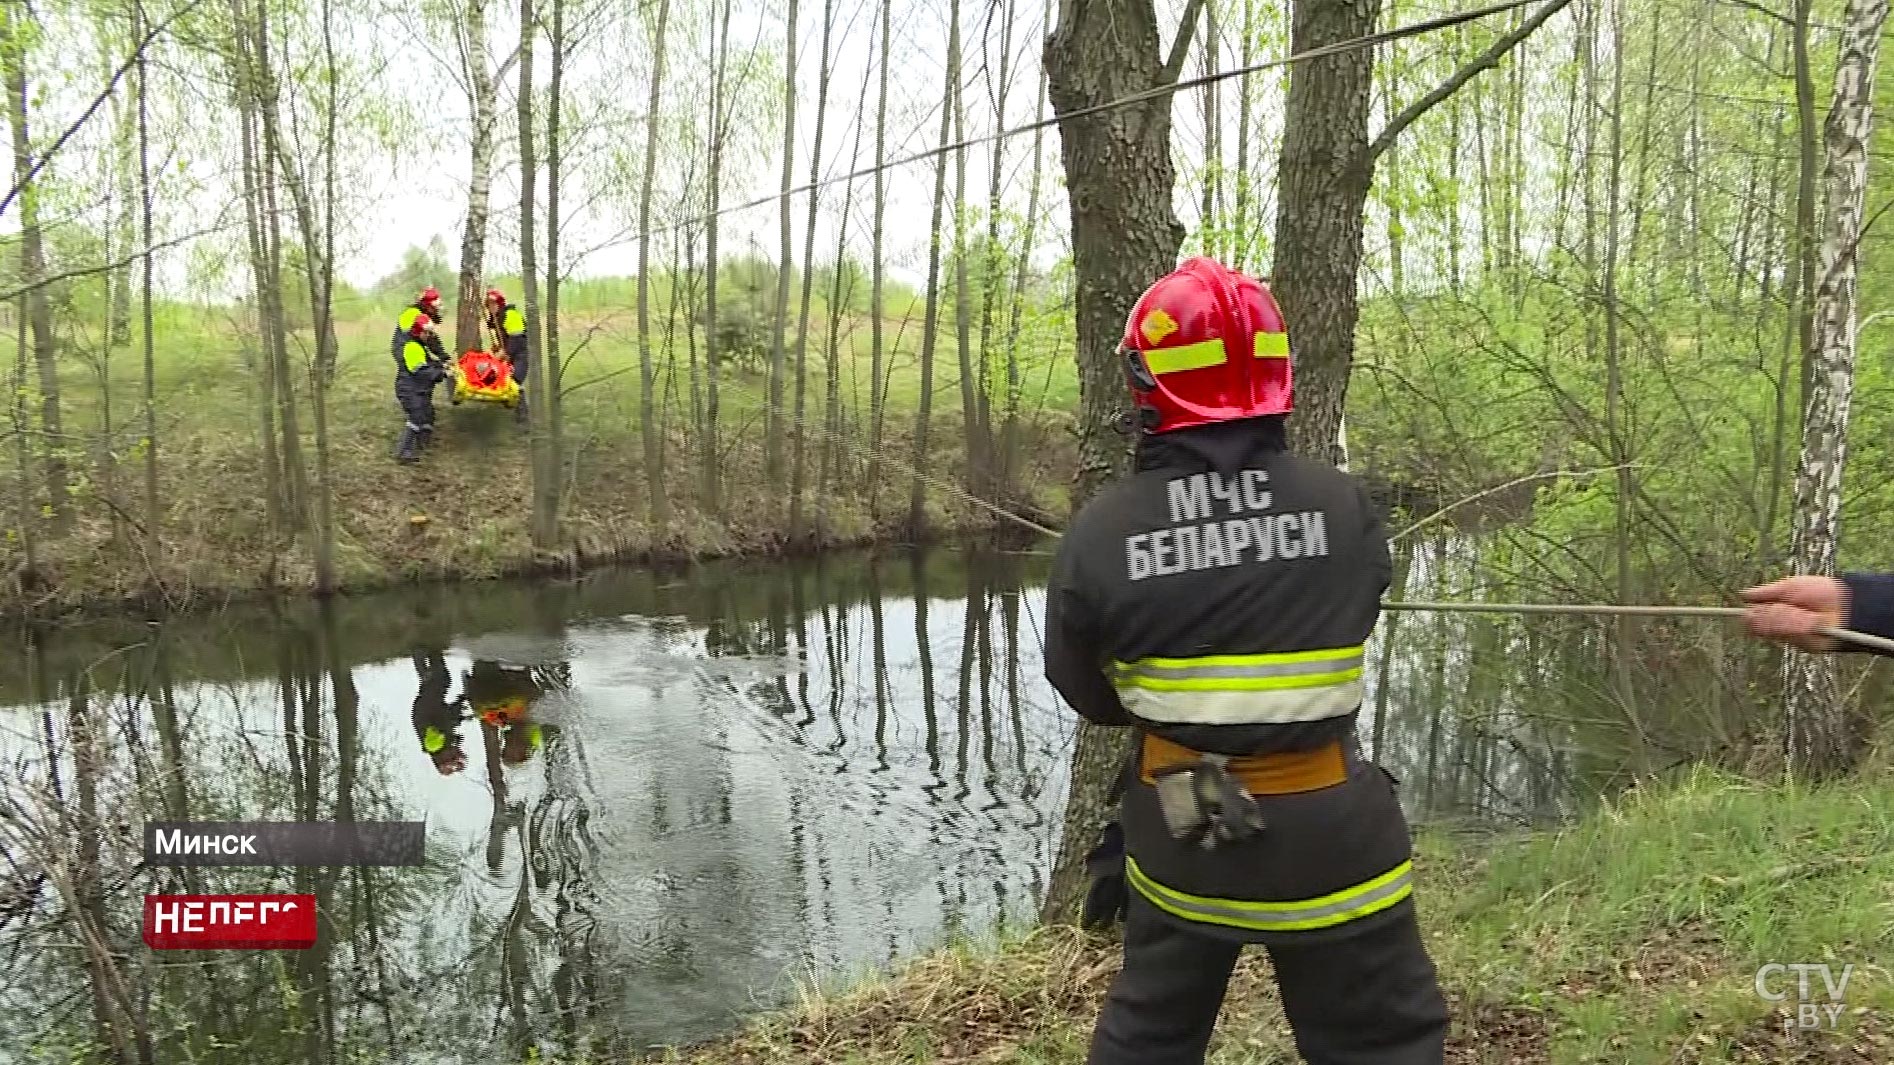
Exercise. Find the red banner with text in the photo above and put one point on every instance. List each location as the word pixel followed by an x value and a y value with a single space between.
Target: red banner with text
pixel 230 922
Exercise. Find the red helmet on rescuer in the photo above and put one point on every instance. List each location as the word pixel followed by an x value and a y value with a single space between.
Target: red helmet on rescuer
pixel 494 295
pixel 430 297
pixel 1203 345
pixel 423 325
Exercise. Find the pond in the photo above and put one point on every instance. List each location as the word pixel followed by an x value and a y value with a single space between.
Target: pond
pixel 656 801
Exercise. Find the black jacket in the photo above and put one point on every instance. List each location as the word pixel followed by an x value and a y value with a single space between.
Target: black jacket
pixel 403 325
pixel 1870 607
pixel 1223 543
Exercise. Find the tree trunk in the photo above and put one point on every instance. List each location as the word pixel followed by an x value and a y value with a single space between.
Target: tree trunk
pixel 798 470
pixel 1009 429
pixel 875 267
pixel 549 398
pixel 263 80
pixel 975 448
pixel 917 496
pixel 660 510
pixel 545 478
pixel 712 460
pixel 481 102
pixel 773 416
pixel 14 53
pixel 154 514
pixel 264 366
pixel 1325 173
pixel 318 243
pixel 1246 56
pixel 1125 235
pixel 993 262
pixel 1822 740
pixel 1806 191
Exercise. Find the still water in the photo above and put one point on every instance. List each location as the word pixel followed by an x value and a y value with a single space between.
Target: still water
pixel 656 802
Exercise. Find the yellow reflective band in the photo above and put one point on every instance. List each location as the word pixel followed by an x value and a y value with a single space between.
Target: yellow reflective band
pixel 1241 684
pixel 1326 911
pixel 1264 672
pixel 515 321
pixel 408 315
pixel 1187 357
pixel 1272 345
pixel 414 355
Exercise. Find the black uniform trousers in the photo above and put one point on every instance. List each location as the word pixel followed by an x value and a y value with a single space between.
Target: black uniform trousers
pixel 1369 999
pixel 417 401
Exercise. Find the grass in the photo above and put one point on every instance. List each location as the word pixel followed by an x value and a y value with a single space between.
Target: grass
pixel 464 510
pixel 1631 938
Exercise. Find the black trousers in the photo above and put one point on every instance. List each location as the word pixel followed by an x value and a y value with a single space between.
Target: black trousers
pixel 417 403
pixel 1370 999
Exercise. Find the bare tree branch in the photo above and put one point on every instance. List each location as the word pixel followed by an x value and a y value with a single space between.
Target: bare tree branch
pixel 1180 46
pixel 1485 61
pixel 97 102
pixel 118 264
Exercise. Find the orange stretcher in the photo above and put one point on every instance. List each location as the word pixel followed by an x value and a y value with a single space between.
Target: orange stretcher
pixel 485 377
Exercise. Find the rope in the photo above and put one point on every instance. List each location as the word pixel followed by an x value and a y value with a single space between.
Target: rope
pixel 1848 635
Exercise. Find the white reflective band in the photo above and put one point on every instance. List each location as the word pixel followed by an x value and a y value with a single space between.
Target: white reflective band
pixel 1266 707
pixel 1303 915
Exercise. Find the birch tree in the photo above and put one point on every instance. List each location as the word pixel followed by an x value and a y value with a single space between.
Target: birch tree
pixel 1822 738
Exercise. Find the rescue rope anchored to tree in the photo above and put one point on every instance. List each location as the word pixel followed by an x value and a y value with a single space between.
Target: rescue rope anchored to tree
pixel 1849 635
pixel 1570 609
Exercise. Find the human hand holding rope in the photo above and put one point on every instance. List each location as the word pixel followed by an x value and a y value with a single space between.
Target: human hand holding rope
pixel 1803 611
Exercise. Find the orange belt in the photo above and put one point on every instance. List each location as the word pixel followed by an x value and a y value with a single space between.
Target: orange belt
pixel 1282 773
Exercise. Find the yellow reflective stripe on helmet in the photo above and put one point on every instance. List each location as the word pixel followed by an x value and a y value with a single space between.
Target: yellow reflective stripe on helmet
pixel 1186 357
pixel 1325 911
pixel 1272 345
pixel 414 355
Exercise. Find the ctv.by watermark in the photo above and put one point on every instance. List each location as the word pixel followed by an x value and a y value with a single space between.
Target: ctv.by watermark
pixel 1815 1006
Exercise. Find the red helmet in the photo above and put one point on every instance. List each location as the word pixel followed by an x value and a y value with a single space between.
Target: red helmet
pixel 494 295
pixel 430 296
pixel 1205 344
pixel 423 325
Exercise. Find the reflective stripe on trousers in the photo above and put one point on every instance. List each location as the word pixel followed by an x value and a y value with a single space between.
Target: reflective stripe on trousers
pixel 1242 689
pixel 1326 911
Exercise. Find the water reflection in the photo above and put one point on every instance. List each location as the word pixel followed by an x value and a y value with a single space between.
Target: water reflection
pixel 652 798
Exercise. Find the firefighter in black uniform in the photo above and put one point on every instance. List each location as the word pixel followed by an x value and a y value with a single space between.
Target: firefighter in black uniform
pixel 1217 601
pixel 417 372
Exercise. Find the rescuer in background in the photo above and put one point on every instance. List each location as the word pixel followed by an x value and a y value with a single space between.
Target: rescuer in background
pixel 426 305
pixel 1217 601
pixel 508 327
pixel 1794 610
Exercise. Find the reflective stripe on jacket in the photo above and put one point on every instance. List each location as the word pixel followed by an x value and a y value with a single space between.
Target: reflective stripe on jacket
pixel 1242 689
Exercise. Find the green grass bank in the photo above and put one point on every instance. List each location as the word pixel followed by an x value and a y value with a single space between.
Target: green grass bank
pixel 1632 937
pixel 464 512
